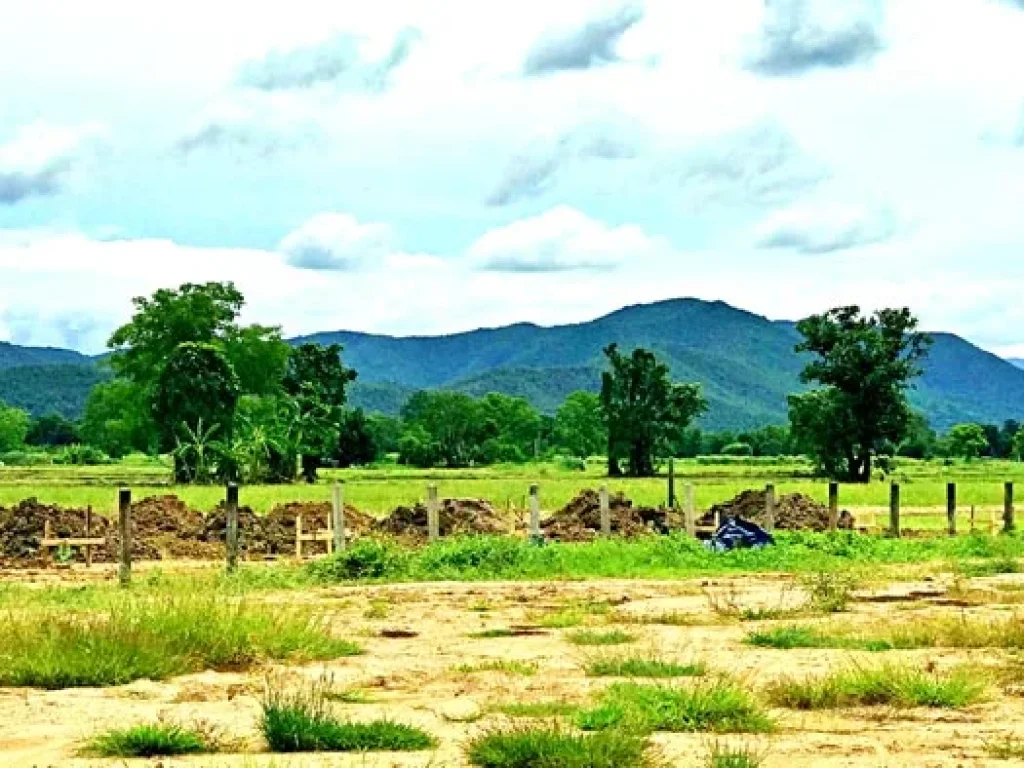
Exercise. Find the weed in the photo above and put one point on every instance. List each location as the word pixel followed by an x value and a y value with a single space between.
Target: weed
pixel 349 696
pixel 538 709
pixel 505 666
pixel 725 756
pixel 490 634
pixel 379 609
pixel 829 591
pixel 589 637
pixel 667 619
pixel 155 740
pixel 883 686
pixel 636 665
pixel 552 747
pixel 718 706
pixel 1009 748
pixel 301 721
pixel 563 619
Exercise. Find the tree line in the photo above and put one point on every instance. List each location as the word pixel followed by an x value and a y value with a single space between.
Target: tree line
pixel 233 401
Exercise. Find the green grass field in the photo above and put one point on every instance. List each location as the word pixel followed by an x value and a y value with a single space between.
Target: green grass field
pixel 378 491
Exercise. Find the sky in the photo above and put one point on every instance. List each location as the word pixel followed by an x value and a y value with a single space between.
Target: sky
pixel 432 166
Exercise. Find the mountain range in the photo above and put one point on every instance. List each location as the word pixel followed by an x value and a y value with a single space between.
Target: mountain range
pixel 746 364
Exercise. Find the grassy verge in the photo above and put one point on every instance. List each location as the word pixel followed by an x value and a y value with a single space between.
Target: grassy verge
pixel 718 706
pixel 551 747
pixel 126 638
pixel 152 740
pixel 302 721
pixel 883 686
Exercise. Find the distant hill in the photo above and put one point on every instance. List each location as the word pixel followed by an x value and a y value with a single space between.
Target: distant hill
pixel 12 356
pixel 745 363
pixel 1017 361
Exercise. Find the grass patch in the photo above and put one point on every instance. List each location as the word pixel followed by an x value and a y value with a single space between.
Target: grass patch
pixel 1010 748
pixel 883 686
pixel 829 591
pixel 666 619
pixel 127 638
pixel 994 567
pixel 152 740
pixel 505 666
pixel 788 638
pixel 302 721
pixel 551 747
pixel 725 756
pixel 718 706
pixel 591 637
pixel 563 619
pixel 642 666
pixel 538 709
pixel 349 696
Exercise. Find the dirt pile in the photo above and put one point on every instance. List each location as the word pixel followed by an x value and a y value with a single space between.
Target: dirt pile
pixel 22 526
pixel 251 534
pixel 279 526
pixel 793 512
pixel 164 527
pixel 455 517
pixel 580 519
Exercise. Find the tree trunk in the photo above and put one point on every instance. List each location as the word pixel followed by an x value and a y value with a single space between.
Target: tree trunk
pixel 310 464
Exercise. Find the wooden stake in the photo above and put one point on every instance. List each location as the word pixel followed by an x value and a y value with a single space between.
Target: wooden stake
pixel 298 537
pixel 951 508
pixel 606 511
pixel 433 523
pixel 535 512
pixel 671 483
pixel 338 516
pixel 124 520
pixel 47 535
pixel 231 535
pixel 769 507
pixel 833 506
pixel 1008 525
pixel 88 535
pixel 689 511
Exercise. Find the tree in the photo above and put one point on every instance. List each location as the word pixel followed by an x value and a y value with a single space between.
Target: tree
pixel 644 411
pixel 14 425
pixel 52 430
pixel 315 379
pixel 510 428
pixel 967 441
pixel 579 425
pixel 196 393
pixel 259 356
pixel 385 432
pixel 118 419
pixel 444 426
pixel 355 440
pixel 921 441
pixel 864 366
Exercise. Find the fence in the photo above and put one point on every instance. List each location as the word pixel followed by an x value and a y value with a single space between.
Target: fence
pixel 334 536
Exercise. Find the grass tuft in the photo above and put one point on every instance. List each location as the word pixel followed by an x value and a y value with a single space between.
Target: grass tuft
pixel 551 747
pixel 724 756
pixel 127 638
pixel 152 740
pixel 591 637
pixel 883 686
pixel 505 666
pixel 538 709
pixel 641 666
pixel 302 721
pixel 1009 748
pixel 718 706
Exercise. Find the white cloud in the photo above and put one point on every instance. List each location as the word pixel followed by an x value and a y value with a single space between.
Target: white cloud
pixel 38 159
pixel 826 227
pixel 559 240
pixel 338 242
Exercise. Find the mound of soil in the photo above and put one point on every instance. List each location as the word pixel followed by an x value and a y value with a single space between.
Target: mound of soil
pixel 793 512
pixel 164 527
pixel 455 517
pixel 279 525
pixel 580 519
pixel 251 532
pixel 21 530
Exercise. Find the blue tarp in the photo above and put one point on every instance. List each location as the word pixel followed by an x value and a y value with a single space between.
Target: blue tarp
pixel 736 533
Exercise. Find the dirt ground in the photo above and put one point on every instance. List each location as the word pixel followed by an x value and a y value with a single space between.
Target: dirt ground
pixel 414 679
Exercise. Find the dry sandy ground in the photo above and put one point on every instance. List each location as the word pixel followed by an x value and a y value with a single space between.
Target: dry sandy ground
pixel 413 680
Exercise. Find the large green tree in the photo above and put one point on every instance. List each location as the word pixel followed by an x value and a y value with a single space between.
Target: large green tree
pixel 441 427
pixel 52 430
pixel 14 426
pixel 645 412
pixel 864 365
pixel 119 420
pixel 194 403
pixel 966 441
pixel 579 426
pixel 511 428
pixel 316 380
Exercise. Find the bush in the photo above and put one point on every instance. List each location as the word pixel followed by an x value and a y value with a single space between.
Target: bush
pixel 157 740
pixel 738 449
pixel 82 456
pixel 365 559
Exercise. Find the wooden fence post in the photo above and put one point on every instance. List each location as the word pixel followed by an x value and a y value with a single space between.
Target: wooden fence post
pixel 671 483
pixel 88 535
pixel 1008 508
pixel 769 507
pixel 894 510
pixel 433 523
pixel 689 512
pixel 231 535
pixel 535 533
pixel 833 506
pixel 606 511
pixel 124 521
pixel 298 537
pixel 338 516
pixel 951 508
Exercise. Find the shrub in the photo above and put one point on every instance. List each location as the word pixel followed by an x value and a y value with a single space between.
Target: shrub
pixel 550 747
pixel 156 740
pixel 365 559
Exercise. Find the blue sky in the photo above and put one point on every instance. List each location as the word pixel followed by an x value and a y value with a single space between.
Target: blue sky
pixel 424 167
